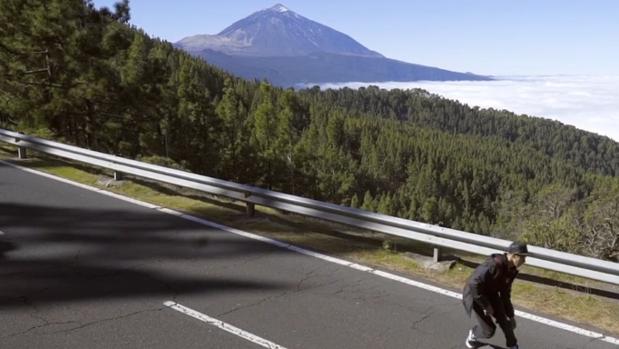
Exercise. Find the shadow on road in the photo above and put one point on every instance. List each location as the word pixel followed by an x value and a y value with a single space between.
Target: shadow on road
pixel 57 254
pixel 5 246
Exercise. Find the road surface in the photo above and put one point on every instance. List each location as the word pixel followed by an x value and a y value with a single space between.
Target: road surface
pixel 84 270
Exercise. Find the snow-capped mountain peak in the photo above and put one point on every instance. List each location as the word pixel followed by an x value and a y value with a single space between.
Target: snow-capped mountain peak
pixel 279 8
pixel 286 48
pixel 277 32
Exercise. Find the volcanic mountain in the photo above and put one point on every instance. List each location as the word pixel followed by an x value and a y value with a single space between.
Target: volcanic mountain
pixel 288 49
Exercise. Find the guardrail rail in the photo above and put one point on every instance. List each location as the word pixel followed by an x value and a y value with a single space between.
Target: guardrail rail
pixel 436 236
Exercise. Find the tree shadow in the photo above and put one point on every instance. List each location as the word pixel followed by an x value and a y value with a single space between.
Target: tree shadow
pixel 5 246
pixel 51 281
pixel 52 254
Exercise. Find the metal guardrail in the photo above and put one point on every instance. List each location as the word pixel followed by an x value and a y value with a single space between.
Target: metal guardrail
pixel 587 267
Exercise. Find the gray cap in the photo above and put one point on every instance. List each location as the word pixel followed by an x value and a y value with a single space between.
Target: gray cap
pixel 518 247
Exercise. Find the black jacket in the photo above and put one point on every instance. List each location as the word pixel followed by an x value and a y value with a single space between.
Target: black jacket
pixel 490 285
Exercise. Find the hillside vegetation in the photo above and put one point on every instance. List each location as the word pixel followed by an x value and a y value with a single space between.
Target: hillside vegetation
pixel 84 76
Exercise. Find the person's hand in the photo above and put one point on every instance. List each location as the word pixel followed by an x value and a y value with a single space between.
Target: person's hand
pixel 488 311
pixel 512 322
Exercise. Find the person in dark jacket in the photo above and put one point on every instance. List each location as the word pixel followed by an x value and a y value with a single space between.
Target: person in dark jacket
pixel 487 296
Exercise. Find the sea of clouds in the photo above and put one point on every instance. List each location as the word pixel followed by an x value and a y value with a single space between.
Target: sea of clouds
pixel 590 103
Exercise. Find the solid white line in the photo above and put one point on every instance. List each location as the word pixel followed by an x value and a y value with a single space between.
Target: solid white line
pixel 529 316
pixel 223 325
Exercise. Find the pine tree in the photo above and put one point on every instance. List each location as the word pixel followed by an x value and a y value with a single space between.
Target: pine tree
pixel 263 136
pixel 368 201
pixel 354 202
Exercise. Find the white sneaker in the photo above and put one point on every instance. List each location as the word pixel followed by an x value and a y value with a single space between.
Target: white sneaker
pixel 472 342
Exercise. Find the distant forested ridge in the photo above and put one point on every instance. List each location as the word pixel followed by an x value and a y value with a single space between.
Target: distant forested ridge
pixel 83 76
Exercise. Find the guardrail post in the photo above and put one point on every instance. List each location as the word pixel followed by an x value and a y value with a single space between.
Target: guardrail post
pixel 118 176
pixel 436 255
pixel 251 209
pixel 21 153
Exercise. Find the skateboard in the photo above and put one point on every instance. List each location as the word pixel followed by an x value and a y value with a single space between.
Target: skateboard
pixel 484 345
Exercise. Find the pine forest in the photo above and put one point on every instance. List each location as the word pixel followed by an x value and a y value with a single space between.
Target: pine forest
pixel 84 76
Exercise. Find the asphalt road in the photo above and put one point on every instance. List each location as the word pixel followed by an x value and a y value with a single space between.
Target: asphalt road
pixel 83 270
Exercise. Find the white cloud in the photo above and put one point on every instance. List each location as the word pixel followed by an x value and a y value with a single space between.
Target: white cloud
pixel 590 103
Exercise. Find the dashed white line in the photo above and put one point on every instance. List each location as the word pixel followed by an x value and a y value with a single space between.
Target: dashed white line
pixel 529 316
pixel 223 325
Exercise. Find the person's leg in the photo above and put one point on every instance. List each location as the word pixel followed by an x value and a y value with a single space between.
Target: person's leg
pixel 506 326
pixel 484 326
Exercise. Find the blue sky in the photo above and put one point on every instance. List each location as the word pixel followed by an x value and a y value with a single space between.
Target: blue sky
pixel 494 37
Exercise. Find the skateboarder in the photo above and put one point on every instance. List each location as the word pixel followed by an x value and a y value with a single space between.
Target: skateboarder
pixel 487 296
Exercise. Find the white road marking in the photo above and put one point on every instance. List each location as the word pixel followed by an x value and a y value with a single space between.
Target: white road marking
pixel 529 316
pixel 223 325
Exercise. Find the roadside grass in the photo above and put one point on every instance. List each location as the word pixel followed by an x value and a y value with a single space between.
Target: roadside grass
pixel 578 300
